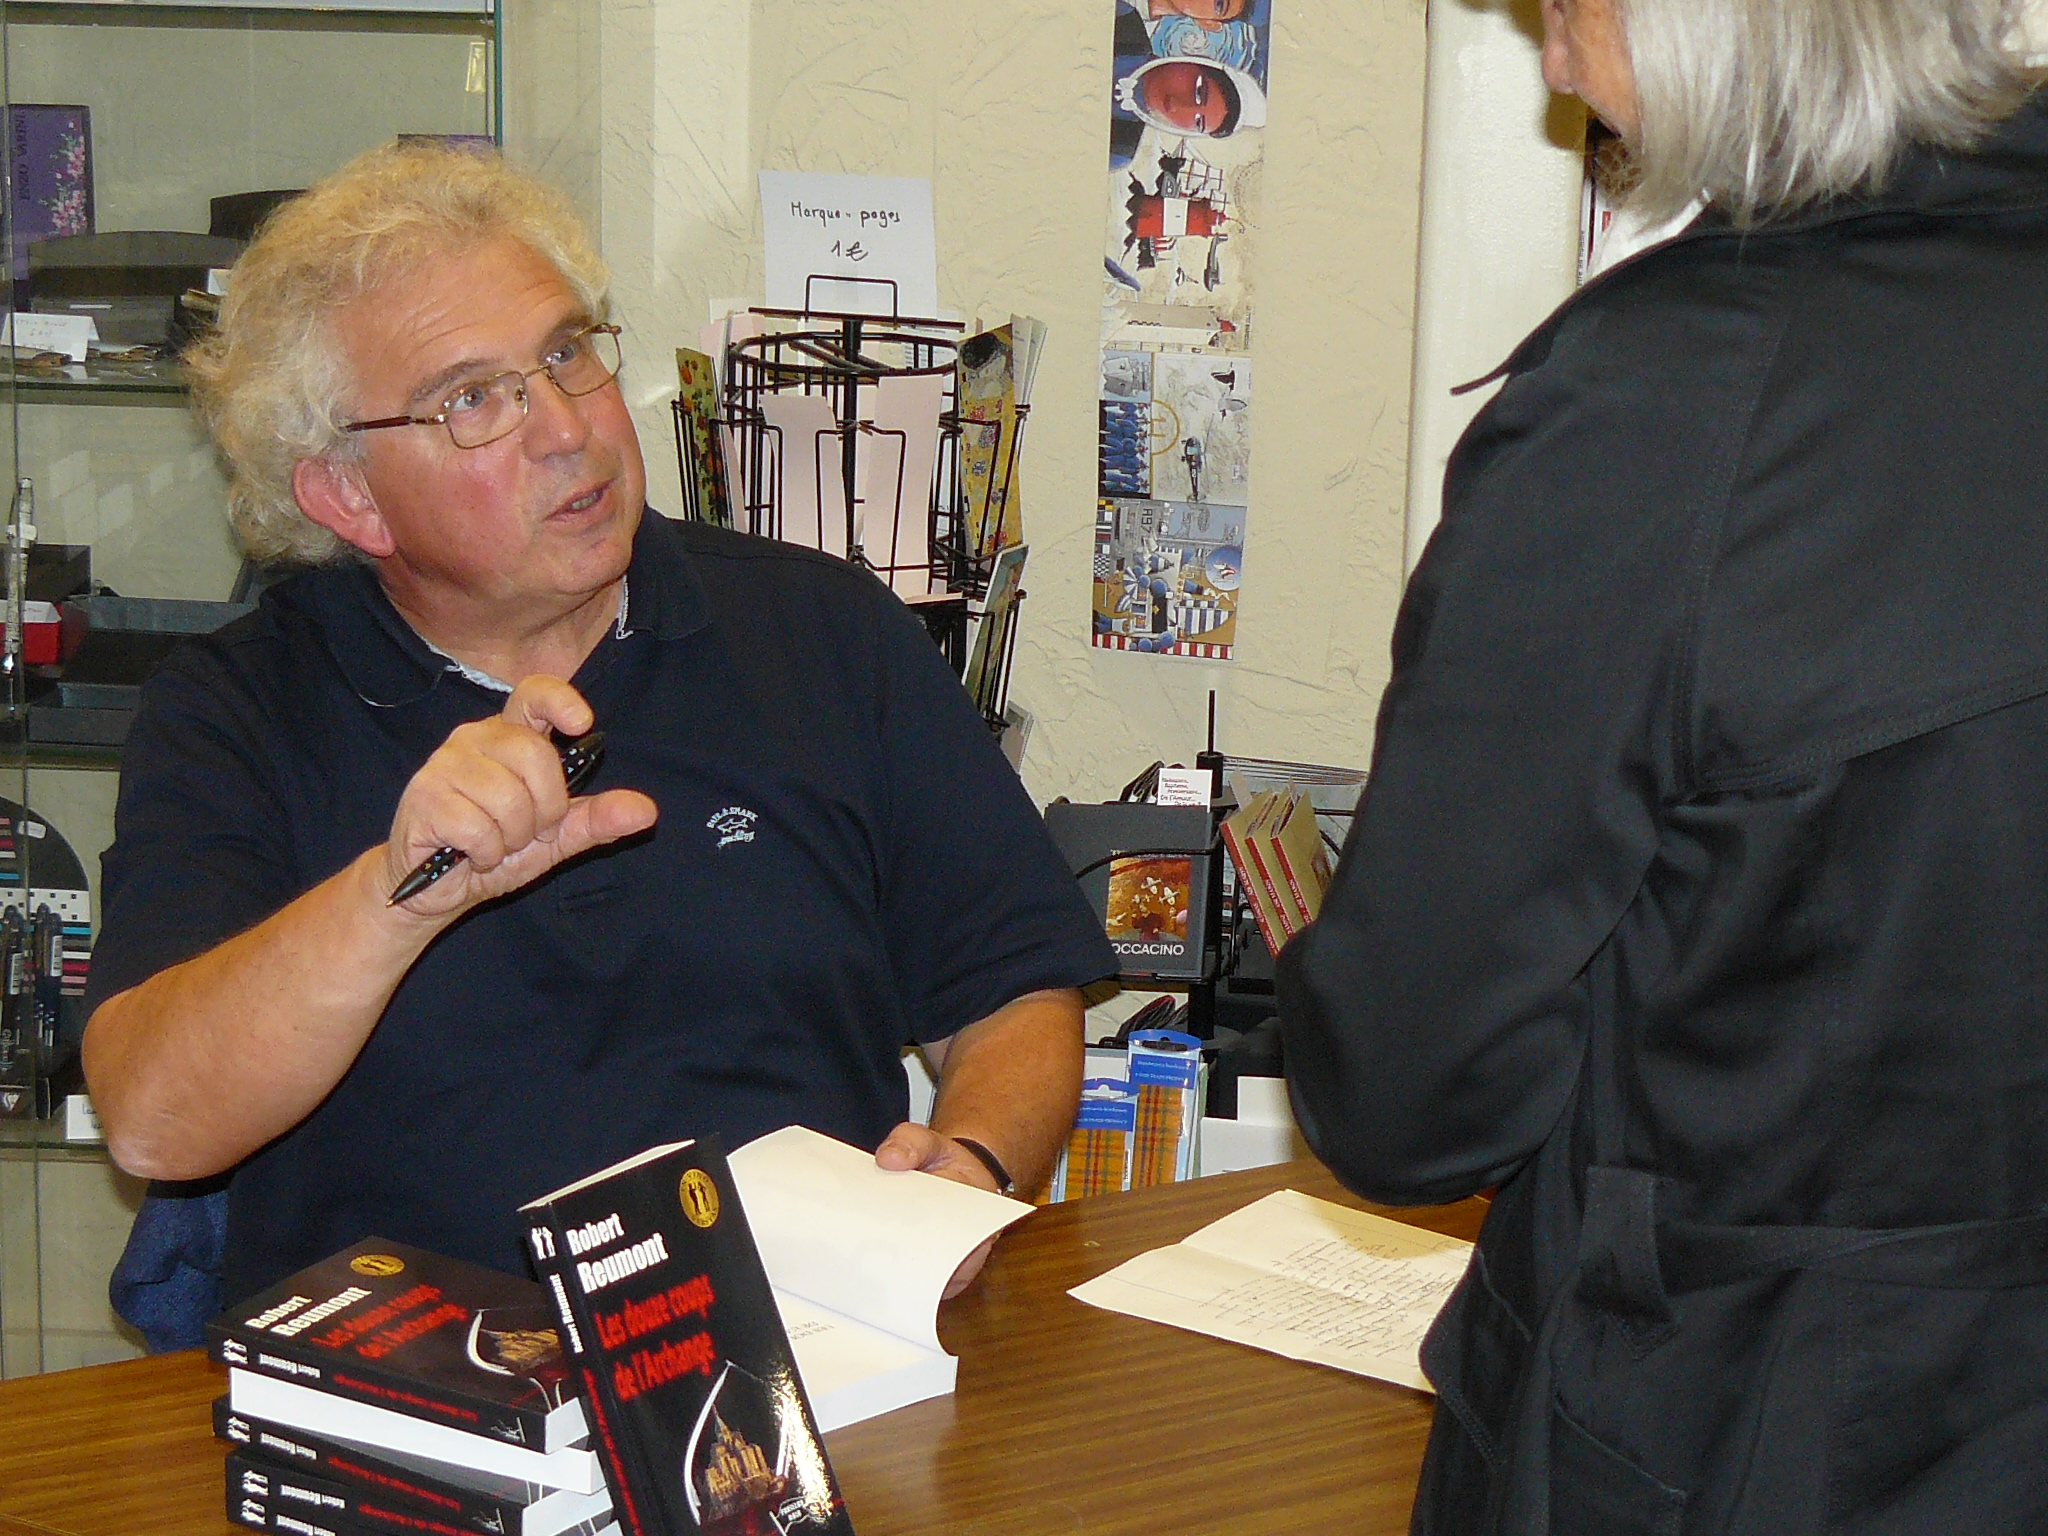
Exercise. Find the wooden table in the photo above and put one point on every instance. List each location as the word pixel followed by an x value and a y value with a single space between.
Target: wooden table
pixel 1066 1418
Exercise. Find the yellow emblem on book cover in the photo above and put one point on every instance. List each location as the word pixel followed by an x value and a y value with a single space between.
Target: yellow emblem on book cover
pixel 376 1264
pixel 699 1197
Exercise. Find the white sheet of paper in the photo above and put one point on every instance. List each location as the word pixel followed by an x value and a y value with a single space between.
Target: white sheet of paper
pixel 721 332
pixel 852 227
pixel 1263 1101
pixel 1298 1277
pixel 1184 786
pixel 813 490
pixel 68 334
pixel 1027 337
pixel 726 327
pixel 1005 581
pixel 1230 1146
pixel 896 533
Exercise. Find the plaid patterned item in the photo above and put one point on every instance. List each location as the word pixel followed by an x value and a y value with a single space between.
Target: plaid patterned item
pixel 1159 1119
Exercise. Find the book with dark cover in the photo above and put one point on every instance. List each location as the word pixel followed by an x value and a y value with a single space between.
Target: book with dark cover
pixel 49 163
pixel 696 1409
pixel 360 1423
pixel 286 1491
pixel 455 1496
pixel 253 1502
pixel 1145 869
pixel 393 1326
pixel 264 1513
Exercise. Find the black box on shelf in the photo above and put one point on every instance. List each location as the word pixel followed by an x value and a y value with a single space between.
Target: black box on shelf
pixel 111 644
pixel 1145 868
pixel 58 571
pixel 127 280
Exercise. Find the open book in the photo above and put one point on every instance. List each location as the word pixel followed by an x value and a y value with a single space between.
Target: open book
pixel 859 1258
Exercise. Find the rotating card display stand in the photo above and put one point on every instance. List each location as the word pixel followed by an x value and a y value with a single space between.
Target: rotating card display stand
pixel 821 435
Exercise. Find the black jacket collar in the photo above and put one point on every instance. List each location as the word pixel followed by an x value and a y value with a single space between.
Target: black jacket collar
pixel 2008 172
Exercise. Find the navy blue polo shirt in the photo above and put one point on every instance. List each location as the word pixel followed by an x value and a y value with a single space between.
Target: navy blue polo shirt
pixel 843 864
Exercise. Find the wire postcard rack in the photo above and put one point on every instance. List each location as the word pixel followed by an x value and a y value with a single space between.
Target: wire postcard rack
pixel 844 432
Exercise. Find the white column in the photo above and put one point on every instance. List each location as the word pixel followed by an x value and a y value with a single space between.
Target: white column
pixel 1502 171
pixel 678 206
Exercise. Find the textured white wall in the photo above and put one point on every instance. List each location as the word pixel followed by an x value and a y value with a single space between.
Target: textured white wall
pixel 1004 104
pixel 1502 174
pixel 2034 29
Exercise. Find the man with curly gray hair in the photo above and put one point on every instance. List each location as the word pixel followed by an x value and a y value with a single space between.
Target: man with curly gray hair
pixel 803 851
pixel 1696 904
pixel 272 383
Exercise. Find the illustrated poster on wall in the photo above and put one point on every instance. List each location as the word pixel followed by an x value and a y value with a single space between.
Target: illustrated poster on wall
pixel 1166 573
pixel 1186 165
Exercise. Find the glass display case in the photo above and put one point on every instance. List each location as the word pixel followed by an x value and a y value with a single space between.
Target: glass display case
pixel 144 142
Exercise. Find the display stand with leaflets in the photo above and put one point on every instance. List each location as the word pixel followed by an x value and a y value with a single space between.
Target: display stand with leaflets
pixel 873 437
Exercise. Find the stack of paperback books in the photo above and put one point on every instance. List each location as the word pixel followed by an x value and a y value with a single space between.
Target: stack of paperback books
pixel 1283 867
pixel 387 1389
pixel 647 1387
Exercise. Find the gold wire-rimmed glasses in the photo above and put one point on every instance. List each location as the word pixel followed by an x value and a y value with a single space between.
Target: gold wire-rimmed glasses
pixel 480 411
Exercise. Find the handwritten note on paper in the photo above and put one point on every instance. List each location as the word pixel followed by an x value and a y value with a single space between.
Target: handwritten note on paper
pixel 1299 1277
pixel 69 334
pixel 843 229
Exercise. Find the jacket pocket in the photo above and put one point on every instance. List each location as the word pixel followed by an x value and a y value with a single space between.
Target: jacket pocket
pixel 1597 1491
pixel 1474 1355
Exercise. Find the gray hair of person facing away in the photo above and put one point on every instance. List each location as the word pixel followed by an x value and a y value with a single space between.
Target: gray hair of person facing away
pixel 271 382
pixel 1769 106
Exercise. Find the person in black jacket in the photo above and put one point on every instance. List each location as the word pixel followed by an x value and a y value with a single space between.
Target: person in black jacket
pixel 1699 901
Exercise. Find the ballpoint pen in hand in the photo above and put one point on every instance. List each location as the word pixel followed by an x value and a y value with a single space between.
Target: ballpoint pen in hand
pixel 579 755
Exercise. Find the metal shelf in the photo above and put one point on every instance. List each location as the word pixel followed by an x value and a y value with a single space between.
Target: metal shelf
pixel 474 8
pixel 97 379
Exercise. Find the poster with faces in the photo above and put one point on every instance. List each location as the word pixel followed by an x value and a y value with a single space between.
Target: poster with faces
pixel 1186 170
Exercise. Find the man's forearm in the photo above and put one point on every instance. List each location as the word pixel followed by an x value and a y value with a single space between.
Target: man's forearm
pixel 206 1061
pixel 1012 1080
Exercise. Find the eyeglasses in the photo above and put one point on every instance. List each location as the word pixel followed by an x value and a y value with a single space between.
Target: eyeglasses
pixel 481 411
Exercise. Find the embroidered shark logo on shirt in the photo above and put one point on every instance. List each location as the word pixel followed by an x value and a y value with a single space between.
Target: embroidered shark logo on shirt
pixel 734 824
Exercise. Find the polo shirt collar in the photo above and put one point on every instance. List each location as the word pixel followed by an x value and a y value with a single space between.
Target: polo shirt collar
pixel 667 597
pixel 389 666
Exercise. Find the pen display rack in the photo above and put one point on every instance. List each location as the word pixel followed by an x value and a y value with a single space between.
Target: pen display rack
pixel 845 433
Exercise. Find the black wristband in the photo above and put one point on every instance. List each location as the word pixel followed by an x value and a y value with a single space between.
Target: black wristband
pixel 1005 1185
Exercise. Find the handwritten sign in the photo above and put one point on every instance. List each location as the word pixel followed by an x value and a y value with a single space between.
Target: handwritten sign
pixel 68 334
pixel 845 239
